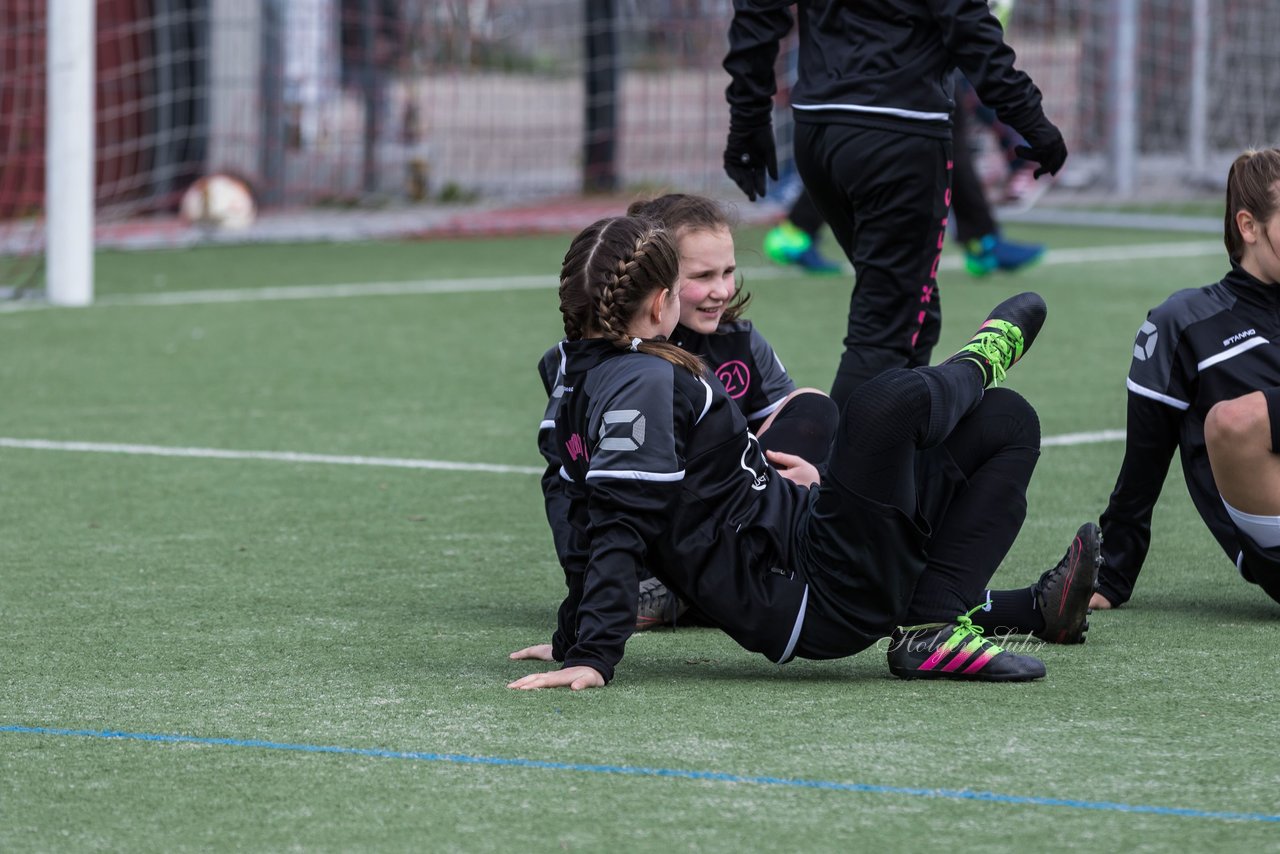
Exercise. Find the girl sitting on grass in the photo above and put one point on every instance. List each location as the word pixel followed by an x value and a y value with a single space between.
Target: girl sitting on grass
pixel 792 424
pixel 661 473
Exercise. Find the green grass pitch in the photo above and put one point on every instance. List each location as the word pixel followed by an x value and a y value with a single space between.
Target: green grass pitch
pixel 247 604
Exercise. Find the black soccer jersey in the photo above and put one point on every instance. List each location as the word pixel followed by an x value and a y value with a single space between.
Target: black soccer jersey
pixel 739 356
pixel 660 471
pixel 1201 346
pixel 747 367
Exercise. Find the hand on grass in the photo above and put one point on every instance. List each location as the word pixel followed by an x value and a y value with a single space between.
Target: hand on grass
pixel 1098 602
pixel 576 678
pixel 793 468
pixel 538 652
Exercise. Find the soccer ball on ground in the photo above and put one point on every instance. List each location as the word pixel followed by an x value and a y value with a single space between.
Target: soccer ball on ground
pixel 219 202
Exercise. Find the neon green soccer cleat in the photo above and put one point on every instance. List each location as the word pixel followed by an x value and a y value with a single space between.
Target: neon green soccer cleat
pixel 1005 336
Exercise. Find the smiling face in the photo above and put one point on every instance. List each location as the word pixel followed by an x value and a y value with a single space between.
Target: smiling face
pixel 707 266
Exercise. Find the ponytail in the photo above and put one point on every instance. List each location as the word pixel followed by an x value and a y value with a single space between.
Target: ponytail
pixel 1251 186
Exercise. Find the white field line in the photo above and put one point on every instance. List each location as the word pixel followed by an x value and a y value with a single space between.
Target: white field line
pixel 383 462
pixel 1094 437
pixel 273 456
pixel 1055 257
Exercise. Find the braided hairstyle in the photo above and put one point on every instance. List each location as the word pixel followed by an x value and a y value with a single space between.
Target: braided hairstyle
pixel 681 214
pixel 1251 186
pixel 610 271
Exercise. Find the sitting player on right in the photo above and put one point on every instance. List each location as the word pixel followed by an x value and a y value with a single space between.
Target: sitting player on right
pixel 1205 380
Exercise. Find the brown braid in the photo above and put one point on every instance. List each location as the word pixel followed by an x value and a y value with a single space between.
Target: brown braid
pixel 611 269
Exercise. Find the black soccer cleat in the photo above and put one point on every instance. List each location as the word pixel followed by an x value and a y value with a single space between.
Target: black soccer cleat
pixel 658 606
pixel 1005 336
pixel 1064 591
pixel 957 651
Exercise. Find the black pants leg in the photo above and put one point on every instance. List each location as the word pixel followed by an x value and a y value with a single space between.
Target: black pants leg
pixel 974 495
pixel 804 215
pixel 885 196
pixel 863 543
pixel 968 200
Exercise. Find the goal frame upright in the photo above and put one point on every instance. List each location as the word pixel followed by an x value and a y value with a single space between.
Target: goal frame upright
pixel 69 153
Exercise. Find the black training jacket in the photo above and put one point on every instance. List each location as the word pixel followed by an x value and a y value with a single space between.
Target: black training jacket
pixel 740 357
pixel 661 472
pixel 1199 347
pixel 884 63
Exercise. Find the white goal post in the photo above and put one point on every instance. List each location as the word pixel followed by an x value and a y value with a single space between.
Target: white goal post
pixel 69 150
pixel 323 106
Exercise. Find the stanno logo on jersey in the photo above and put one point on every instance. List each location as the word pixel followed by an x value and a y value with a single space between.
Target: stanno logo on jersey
pixel 735 376
pixel 1145 345
pixel 1238 337
pixel 621 430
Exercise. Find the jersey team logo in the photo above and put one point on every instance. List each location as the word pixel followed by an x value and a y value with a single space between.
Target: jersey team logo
pixel 576 448
pixel 753 463
pixel 622 430
pixel 1145 345
pixel 735 376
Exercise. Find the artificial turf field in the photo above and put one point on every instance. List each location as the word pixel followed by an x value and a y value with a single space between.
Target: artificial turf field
pixel 205 649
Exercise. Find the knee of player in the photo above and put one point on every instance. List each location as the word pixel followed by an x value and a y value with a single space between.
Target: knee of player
pixel 1239 422
pixel 815 407
pixel 1007 402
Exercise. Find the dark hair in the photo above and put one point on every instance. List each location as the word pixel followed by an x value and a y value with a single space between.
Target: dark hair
pixel 611 267
pixel 1251 186
pixel 682 212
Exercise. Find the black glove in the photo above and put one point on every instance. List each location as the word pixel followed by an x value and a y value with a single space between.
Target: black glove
pixel 1050 151
pixel 748 154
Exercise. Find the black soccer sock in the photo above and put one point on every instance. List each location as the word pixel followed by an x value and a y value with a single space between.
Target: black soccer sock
pixel 890 418
pixel 874 451
pixel 955 390
pixel 1010 612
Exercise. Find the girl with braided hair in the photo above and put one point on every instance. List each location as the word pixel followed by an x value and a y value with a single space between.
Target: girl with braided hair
pixel 661 472
pixel 794 425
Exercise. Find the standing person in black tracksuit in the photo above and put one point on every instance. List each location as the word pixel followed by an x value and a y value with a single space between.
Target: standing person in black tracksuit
pixel 1205 381
pixel 790 422
pixel 662 473
pixel 872 106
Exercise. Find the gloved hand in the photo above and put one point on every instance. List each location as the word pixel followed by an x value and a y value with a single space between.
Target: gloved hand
pixel 1048 149
pixel 749 153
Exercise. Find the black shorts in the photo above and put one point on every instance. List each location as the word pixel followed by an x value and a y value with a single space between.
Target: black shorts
pixel 1260 566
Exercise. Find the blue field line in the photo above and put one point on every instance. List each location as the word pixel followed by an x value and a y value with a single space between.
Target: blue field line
pixel 634 771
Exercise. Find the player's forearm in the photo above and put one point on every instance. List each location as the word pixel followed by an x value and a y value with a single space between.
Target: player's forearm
pixel 757 27
pixel 1150 442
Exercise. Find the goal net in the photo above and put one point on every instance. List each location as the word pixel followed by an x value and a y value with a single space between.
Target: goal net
pixel 325 105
